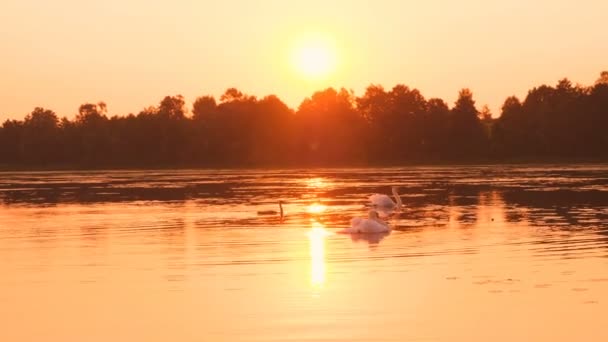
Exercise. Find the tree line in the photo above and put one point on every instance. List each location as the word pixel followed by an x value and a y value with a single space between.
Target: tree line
pixel 330 128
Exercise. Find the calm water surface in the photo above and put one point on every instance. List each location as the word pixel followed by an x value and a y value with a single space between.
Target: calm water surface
pixel 477 254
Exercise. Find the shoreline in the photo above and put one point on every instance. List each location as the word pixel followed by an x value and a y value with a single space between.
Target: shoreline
pixel 140 167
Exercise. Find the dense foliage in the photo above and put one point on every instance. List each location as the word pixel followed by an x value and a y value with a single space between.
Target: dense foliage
pixel 329 128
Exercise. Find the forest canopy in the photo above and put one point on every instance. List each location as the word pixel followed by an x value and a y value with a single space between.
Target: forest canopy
pixel 330 128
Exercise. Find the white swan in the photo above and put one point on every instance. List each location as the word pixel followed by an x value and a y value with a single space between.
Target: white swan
pixel 272 212
pixel 384 201
pixel 372 224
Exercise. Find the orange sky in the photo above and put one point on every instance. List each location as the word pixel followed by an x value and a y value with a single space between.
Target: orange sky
pixel 59 54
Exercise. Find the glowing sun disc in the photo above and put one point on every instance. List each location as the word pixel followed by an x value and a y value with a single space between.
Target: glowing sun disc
pixel 314 57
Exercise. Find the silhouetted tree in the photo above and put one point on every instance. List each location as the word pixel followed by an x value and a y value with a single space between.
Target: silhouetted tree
pixel 233 94
pixel 163 136
pixel 485 114
pixel 595 128
pixel 512 130
pixel 398 123
pixel 11 142
pixel 409 107
pixel 172 107
pixel 603 79
pixel 203 107
pixel 40 136
pixel 466 133
pixel 437 125
pixel 329 129
pixel 204 115
pixel 271 132
pixel 377 108
pixel 92 131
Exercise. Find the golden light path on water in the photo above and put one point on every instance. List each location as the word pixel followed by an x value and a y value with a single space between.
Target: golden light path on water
pixel 316 208
pixel 316 238
pixel 317 183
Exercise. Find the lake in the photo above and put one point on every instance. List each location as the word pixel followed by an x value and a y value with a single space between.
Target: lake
pixel 477 253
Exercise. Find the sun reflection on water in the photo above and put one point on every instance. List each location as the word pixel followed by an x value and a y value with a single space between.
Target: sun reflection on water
pixel 316 237
pixel 317 182
pixel 316 208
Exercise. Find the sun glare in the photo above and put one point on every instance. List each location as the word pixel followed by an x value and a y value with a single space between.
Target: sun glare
pixel 314 57
pixel 316 208
pixel 317 182
pixel 316 236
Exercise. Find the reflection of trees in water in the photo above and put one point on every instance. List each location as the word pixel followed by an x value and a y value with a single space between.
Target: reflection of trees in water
pixel 464 204
pixel 439 197
pixel 514 214
pixel 172 233
pixel 438 207
pixel 564 208
pixel 93 234
pixel 103 192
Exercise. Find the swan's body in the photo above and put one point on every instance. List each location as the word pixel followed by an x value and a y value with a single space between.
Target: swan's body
pixel 273 212
pixel 372 224
pixel 384 201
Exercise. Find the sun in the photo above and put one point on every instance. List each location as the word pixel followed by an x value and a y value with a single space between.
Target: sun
pixel 314 57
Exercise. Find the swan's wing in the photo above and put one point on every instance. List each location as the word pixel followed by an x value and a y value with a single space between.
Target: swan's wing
pixel 355 222
pixel 363 225
pixel 385 212
pixel 355 226
pixel 380 200
pixel 366 226
pixel 377 198
pixel 376 226
pixel 349 230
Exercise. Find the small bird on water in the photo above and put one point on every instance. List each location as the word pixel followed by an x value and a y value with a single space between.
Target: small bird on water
pixel 273 212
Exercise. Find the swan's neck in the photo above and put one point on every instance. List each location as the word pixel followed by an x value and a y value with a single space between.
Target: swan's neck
pixel 397 197
pixel 281 208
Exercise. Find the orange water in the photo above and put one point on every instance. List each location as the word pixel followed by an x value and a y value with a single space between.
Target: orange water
pixel 476 254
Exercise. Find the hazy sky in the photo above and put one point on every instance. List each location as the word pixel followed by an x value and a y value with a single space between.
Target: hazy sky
pixel 130 53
